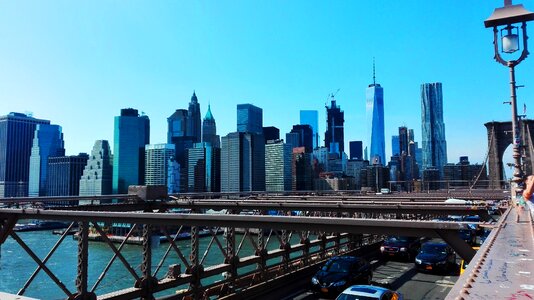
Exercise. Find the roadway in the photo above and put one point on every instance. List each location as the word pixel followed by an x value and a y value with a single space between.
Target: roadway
pixel 402 277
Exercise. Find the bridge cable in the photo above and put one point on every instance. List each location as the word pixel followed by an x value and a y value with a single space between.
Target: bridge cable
pixel 486 159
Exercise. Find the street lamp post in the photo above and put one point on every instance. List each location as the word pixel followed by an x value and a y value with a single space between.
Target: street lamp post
pixel 504 18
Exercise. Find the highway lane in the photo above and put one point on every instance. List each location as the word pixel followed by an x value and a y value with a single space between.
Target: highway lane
pixel 402 276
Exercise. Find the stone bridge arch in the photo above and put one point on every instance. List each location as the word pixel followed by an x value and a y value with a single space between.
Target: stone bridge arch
pixel 499 138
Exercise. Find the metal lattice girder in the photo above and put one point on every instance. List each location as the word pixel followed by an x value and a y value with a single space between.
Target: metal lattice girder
pixel 323 224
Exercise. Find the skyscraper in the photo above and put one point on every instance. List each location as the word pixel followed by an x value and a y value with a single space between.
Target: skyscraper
pixel 98 173
pixel 375 122
pixel 305 136
pixel 271 133
pixel 204 169
pixel 177 134
pixel 47 142
pixel 132 133
pixel 64 173
pixel 334 135
pixel 209 130
pixel 249 118
pixel 242 162
pixel 311 117
pixel 356 150
pixel 16 135
pixel 193 118
pixel 395 145
pixel 278 166
pixel 157 159
pixel 433 128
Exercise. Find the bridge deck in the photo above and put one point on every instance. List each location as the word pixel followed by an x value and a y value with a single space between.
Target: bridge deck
pixel 503 268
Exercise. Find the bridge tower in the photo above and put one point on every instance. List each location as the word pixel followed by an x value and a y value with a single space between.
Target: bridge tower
pixel 499 138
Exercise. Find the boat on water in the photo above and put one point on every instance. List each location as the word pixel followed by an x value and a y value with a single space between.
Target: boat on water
pixel 40 225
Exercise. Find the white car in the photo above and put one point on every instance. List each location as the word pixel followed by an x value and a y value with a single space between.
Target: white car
pixel 368 292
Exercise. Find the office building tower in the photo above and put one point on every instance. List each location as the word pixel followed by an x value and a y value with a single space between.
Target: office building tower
pixel 64 173
pixel 194 128
pixel 293 139
pixel 354 169
pixel 301 170
pixel 157 159
pixel 132 133
pixel 47 141
pixel 311 117
pixel 433 128
pixel 16 139
pixel 395 145
pixel 204 168
pixel 271 133
pixel 242 162
pixel 334 135
pixel 209 130
pixel 177 134
pixel 464 174
pixel 356 150
pixel 375 122
pixel 278 166
pixel 305 136
pixel 173 176
pixel 404 140
pixel 97 175
pixel 249 118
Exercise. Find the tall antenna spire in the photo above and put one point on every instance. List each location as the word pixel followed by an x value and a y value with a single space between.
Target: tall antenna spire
pixel 374 81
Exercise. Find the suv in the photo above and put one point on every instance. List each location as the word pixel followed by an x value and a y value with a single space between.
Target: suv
pixel 399 246
pixel 340 272
pixel 435 257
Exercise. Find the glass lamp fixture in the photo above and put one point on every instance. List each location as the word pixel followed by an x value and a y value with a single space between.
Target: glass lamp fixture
pixel 509 39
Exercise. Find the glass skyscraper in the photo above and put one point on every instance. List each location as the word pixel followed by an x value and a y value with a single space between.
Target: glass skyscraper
pixel 356 150
pixel 47 142
pixel 64 173
pixel 157 159
pixel 209 130
pixel 433 128
pixel 334 135
pixel 204 169
pixel 375 123
pixel 249 118
pixel 194 128
pixel 16 135
pixel 132 133
pixel 311 117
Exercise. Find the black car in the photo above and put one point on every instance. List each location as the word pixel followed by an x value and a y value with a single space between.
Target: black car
pixel 435 257
pixel 399 246
pixel 340 272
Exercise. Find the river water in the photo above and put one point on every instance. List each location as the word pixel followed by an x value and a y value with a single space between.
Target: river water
pixel 16 265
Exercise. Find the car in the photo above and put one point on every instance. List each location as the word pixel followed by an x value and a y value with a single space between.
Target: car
pixel 340 272
pixel 435 256
pixel 369 292
pixel 468 235
pixel 400 246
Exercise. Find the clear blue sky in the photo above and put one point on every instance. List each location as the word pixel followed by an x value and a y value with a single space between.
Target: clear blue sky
pixel 78 63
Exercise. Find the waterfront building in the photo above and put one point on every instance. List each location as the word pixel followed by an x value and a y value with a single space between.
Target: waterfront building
pixel 132 133
pixel 204 168
pixel 271 133
pixel 356 150
pixel 375 122
pixel 354 169
pixel 301 170
pixel 64 173
pixel 209 130
pixel 157 159
pixel 97 175
pixel 47 142
pixel 278 156
pixel 242 162
pixel 311 117
pixel 305 136
pixel 334 135
pixel 249 118
pixel 433 128
pixel 464 174
pixel 17 131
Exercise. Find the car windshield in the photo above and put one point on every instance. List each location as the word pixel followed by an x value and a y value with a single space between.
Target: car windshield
pixel 397 239
pixel 434 249
pixel 337 266
pixel 354 297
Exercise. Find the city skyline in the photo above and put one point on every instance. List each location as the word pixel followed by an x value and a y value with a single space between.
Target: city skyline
pixel 111 60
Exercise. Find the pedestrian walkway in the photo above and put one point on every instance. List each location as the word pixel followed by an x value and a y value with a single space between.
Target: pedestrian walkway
pixel 504 266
